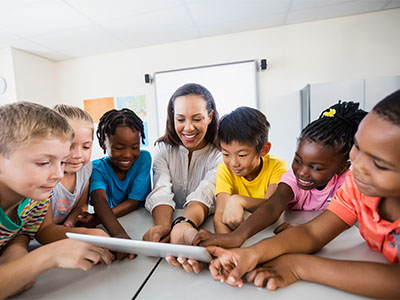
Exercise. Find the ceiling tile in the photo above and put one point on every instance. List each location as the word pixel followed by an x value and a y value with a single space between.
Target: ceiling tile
pixel 330 9
pixel 208 12
pixel 39 17
pixel 81 37
pixel 100 10
pixel 154 24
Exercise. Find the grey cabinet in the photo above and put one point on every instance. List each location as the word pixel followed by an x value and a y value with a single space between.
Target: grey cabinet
pixel 314 98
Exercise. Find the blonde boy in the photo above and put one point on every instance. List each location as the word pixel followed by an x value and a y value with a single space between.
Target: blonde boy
pixel 249 175
pixel 34 143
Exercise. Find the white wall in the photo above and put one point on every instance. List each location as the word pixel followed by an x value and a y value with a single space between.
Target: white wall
pixel 7 72
pixel 353 47
pixel 35 77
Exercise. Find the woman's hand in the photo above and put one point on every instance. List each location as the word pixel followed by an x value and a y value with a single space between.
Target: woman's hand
pixel 157 233
pixel 184 233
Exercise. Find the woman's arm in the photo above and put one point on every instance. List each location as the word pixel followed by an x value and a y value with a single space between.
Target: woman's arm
pixel 162 215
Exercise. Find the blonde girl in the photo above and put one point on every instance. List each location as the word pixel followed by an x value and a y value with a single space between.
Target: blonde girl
pixel 70 196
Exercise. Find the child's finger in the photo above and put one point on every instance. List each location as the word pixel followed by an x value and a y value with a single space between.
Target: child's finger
pixel 173 262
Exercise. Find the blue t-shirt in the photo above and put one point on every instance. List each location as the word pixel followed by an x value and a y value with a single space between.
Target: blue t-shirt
pixel 136 184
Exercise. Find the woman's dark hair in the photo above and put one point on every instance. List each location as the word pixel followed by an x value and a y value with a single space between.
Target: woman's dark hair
pixel 244 125
pixel 336 127
pixel 170 136
pixel 114 118
pixel 389 108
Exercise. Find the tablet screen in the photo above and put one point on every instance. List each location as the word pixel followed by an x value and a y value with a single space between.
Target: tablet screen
pixel 143 247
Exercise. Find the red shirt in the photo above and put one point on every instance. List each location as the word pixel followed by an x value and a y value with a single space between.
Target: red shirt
pixel 351 205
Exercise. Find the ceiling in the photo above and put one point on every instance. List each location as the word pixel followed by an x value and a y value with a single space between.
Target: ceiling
pixel 64 29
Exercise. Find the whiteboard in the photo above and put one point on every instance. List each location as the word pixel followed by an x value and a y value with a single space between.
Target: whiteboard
pixel 231 84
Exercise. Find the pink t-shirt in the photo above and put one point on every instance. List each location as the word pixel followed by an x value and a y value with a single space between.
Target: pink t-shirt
pixel 311 199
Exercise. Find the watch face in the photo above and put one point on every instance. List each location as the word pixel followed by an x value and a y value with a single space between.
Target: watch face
pixel 3 85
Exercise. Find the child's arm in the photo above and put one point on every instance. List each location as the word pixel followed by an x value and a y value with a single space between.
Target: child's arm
pixel 236 205
pixel 310 237
pixel 267 214
pixel 125 207
pixel 62 254
pixel 374 280
pixel 219 225
pixel 49 232
pixel 162 215
pixel 81 206
pixel 15 249
pixel 105 214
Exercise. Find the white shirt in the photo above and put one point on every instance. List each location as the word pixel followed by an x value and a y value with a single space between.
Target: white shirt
pixel 176 184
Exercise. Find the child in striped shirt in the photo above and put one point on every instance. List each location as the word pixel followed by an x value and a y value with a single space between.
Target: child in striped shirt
pixel 34 145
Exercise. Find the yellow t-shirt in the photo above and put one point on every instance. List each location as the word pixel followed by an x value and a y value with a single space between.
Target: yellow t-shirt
pixel 271 172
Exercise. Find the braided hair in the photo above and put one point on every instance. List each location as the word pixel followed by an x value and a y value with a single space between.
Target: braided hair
pixel 114 118
pixel 336 127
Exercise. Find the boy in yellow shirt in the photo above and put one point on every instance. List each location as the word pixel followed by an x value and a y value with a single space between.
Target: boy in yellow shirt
pixel 248 175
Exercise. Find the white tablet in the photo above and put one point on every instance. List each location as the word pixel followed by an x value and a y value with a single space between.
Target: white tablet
pixel 143 247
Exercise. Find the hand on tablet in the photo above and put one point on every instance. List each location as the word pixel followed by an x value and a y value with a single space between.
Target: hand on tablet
pixel 157 233
pixel 122 255
pixel 225 240
pixel 184 233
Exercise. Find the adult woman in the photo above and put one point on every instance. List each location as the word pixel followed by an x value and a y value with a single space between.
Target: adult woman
pixel 185 163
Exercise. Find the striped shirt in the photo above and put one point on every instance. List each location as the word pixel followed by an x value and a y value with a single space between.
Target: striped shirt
pixel 31 214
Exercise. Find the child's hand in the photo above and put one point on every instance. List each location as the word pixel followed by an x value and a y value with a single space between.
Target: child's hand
pixel 233 213
pixel 76 254
pixel 122 255
pixel 283 227
pixel 226 240
pixel 86 219
pixel 277 273
pixel 230 265
pixel 157 233
pixel 184 233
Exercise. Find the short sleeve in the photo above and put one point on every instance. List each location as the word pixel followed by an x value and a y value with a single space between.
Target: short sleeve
pixel 97 179
pixel 141 185
pixel 224 183
pixel 342 203
pixel 278 170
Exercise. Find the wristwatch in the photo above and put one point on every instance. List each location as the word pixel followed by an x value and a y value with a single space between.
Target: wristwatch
pixel 183 219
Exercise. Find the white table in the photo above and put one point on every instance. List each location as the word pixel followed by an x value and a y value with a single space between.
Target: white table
pixel 173 283
pixel 124 279
pixel 119 280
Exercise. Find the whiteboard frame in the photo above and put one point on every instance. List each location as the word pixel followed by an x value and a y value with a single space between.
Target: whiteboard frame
pixel 203 67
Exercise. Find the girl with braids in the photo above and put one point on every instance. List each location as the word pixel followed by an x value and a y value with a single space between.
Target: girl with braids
pixel 185 165
pixel 319 168
pixel 370 196
pixel 71 194
pixel 121 180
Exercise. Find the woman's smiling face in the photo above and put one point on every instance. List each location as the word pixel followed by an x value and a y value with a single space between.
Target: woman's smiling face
pixel 191 120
